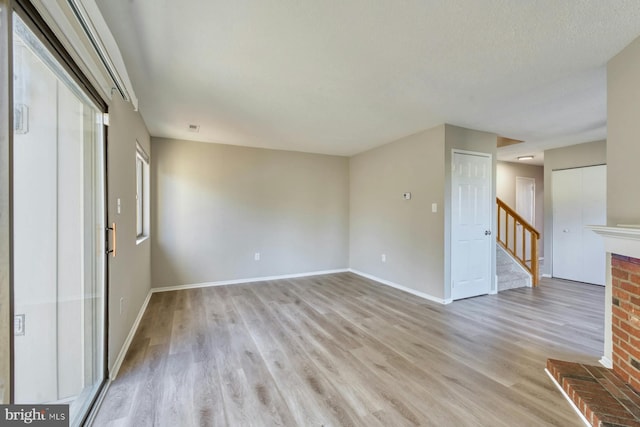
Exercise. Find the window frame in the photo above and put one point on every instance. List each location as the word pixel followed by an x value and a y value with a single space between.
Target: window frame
pixel 142 194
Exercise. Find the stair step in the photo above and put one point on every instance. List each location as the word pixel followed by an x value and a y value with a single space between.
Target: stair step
pixel 510 273
pixel 512 284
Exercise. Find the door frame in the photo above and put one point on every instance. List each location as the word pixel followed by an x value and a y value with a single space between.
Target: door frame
pixel 492 226
pixel 6 203
pixel 37 24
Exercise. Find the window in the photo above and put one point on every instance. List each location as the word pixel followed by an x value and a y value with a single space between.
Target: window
pixel 142 193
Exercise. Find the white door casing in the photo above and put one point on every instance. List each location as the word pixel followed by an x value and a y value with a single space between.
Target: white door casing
pixel 471 224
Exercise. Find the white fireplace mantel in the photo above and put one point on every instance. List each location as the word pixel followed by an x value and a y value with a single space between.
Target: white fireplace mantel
pixel 621 239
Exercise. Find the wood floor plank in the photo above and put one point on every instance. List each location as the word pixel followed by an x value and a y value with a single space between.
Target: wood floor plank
pixel 341 350
pixel 208 405
pixel 325 394
pixel 273 341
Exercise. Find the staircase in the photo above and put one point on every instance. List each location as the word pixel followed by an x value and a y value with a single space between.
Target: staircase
pixel 510 273
pixel 517 250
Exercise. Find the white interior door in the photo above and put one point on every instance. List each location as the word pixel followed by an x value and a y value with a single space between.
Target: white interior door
pixel 471 225
pixel 579 199
pixel 526 198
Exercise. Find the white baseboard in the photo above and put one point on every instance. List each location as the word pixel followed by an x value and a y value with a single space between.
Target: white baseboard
pixel 249 280
pixel 606 362
pixel 113 373
pixel 566 396
pixel 548 276
pixel 402 288
pixel 494 286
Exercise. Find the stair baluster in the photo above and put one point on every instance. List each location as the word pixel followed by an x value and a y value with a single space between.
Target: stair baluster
pixel 507 236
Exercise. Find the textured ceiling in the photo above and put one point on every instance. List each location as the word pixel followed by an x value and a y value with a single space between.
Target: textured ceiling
pixel 343 76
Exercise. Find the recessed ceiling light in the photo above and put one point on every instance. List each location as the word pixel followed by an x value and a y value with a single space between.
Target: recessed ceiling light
pixel 194 128
pixel 525 158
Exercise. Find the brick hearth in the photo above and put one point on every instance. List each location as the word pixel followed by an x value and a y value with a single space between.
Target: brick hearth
pixel 600 395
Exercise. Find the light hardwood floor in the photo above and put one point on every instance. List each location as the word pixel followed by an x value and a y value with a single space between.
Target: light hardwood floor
pixel 343 350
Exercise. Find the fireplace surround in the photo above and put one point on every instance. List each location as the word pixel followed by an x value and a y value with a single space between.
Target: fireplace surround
pixel 611 397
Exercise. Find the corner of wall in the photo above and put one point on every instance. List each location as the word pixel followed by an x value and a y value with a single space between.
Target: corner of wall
pixel 407 232
pixel 222 212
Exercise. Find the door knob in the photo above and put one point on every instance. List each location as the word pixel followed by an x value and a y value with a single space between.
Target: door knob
pixel 487 232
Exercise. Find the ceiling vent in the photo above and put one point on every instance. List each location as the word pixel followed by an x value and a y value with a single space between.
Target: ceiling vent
pixel 194 128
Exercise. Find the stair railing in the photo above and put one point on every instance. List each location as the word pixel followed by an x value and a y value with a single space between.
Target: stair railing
pixel 519 238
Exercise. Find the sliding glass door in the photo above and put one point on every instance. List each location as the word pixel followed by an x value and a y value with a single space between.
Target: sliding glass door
pixel 58 232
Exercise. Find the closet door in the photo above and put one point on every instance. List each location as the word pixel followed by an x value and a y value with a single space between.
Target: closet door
pixel 579 199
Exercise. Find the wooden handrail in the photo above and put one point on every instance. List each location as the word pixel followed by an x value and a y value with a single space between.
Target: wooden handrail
pixel 515 214
pixel 509 242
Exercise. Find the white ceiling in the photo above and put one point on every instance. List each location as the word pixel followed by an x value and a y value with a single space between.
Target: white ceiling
pixel 343 76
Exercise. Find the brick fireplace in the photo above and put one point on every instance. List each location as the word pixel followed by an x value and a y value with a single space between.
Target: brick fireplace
pixel 625 321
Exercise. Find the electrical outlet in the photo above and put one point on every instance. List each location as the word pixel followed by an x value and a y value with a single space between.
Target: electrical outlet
pixel 256 256
pixel 383 258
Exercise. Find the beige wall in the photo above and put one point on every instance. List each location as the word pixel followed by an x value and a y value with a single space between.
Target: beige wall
pixel 575 156
pixel 129 272
pixel 623 149
pixel 506 174
pixel 406 231
pixel 214 206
